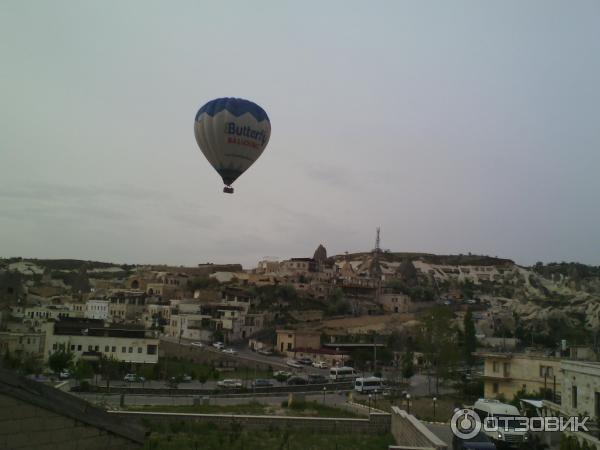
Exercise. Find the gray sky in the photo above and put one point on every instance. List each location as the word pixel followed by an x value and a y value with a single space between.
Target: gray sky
pixel 455 126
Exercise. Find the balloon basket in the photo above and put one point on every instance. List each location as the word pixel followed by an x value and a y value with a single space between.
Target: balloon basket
pixel 228 190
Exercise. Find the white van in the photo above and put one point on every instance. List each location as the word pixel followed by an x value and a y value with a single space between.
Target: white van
pixel 494 408
pixel 342 373
pixel 368 384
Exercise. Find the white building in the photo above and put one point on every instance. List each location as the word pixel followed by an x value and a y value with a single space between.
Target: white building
pixel 97 309
pixel 91 339
pixel 190 326
pixel 581 388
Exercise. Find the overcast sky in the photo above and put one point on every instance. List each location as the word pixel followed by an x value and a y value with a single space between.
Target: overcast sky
pixel 457 127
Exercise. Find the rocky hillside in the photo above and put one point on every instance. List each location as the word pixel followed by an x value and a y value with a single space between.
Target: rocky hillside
pixel 544 299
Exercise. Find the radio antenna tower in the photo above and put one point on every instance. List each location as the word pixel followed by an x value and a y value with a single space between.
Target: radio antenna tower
pixel 378 241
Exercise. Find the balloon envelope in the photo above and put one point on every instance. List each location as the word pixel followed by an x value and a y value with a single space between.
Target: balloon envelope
pixel 232 133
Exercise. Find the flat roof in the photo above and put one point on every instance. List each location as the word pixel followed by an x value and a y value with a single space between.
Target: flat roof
pixel 352 345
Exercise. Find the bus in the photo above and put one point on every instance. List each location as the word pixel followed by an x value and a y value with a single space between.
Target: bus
pixel 368 384
pixel 342 373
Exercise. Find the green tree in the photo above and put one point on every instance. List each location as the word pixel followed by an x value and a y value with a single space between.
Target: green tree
pixel 438 343
pixel 109 368
pixel 218 335
pixel 60 360
pixel 82 370
pixel 361 358
pixel 470 339
pixel 407 365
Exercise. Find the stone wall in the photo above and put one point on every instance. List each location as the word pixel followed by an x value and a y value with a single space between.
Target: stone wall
pixel 24 426
pixel 410 432
pixel 377 422
pixel 229 392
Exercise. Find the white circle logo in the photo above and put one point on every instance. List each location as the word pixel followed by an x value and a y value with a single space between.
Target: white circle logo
pixel 465 423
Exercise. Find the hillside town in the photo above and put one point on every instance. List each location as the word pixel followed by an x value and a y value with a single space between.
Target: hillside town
pixel 431 330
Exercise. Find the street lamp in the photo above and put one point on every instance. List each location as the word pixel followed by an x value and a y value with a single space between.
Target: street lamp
pixel 408 403
pixel 324 391
pixel 369 404
pixel 434 401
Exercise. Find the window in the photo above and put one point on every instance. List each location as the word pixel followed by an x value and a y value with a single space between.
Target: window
pixel 495 388
pixel 289 345
pixel 123 349
pixel 114 349
pixel 106 348
pixel 495 366
pixel 139 349
pixel 54 346
pixel 97 348
pixel 546 371
pixel 574 396
pixel 151 349
pixel 79 348
pixel 130 349
pixel 89 348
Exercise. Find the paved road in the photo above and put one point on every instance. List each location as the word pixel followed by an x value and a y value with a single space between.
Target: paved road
pixel 277 362
pixel 442 431
pixel 421 386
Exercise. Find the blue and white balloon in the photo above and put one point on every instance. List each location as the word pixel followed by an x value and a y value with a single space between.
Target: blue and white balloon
pixel 232 133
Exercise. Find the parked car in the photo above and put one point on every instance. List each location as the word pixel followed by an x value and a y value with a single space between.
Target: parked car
pixel 64 374
pixel 319 365
pixel 293 363
pixel 133 378
pixel 229 351
pixel 317 379
pixel 306 361
pixel 282 374
pixel 218 345
pixel 197 344
pixel 262 383
pixel 265 352
pixel 478 442
pixel 230 383
pixel 295 381
pixel 186 378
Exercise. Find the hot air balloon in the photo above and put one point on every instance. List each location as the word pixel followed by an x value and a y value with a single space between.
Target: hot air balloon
pixel 232 133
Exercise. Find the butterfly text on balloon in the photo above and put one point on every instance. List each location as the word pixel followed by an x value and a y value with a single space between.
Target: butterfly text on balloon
pixel 246 131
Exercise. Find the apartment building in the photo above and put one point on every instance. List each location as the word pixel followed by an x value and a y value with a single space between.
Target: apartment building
pixel 288 340
pixel 35 316
pixel 97 309
pixel 395 303
pixel 156 315
pixel 22 343
pixel 190 326
pixel 297 266
pixel 91 338
pixel 505 374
